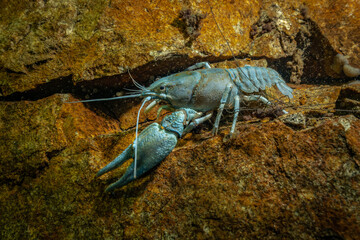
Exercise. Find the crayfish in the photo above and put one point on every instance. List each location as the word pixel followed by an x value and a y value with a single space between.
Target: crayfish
pixel 193 93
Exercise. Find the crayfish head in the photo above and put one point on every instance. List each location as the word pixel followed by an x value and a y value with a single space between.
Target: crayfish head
pixel 177 89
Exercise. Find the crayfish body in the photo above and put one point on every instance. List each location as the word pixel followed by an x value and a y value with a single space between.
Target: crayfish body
pixel 191 93
pixel 212 89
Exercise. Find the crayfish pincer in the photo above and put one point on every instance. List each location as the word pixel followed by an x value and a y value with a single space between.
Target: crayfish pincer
pixel 154 143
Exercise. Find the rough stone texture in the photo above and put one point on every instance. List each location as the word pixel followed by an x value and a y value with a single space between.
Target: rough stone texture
pixel 349 99
pixel 272 181
pixel 45 41
pixel 339 23
pixel 290 177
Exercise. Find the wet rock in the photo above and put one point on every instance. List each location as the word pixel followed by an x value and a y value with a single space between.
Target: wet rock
pixel 32 133
pixel 297 120
pixel 349 100
pixel 338 23
pixel 271 181
pixel 45 41
pixel 297 67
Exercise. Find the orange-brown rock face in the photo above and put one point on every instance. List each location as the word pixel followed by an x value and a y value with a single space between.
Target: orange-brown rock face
pixel 44 41
pixel 274 180
pixel 282 177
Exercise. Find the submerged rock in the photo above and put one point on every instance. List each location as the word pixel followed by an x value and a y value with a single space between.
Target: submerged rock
pixel 46 41
pixel 271 181
pixel 289 177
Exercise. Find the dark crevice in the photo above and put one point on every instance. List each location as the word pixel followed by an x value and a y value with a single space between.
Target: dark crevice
pixel 348 101
pixel 32 66
pixel 318 56
pixel 12 71
pixel 109 86
pixel 30 171
pixel 59 85
pixel 312 58
pixel 146 74
pixel 53 153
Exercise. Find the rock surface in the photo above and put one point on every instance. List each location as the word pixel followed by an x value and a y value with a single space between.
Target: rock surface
pixel 290 177
pixel 49 41
pixel 271 181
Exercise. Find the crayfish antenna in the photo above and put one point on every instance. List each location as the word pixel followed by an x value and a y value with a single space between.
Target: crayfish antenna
pixel 136 134
pixel 107 99
pixel 136 83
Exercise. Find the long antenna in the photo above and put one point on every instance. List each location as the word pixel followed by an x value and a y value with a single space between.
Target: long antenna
pixel 107 99
pixel 136 134
pixel 222 34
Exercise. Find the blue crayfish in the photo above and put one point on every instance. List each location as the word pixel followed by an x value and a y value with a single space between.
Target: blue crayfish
pixel 193 92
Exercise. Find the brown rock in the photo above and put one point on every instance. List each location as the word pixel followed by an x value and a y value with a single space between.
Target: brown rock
pixel 44 41
pixel 32 133
pixel 349 100
pixel 271 181
pixel 289 177
pixel 338 22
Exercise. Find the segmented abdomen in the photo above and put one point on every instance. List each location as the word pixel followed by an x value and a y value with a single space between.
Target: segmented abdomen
pixel 251 79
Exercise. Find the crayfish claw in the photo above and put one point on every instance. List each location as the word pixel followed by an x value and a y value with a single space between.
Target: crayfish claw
pixel 125 179
pixel 117 162
pixel 154 144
